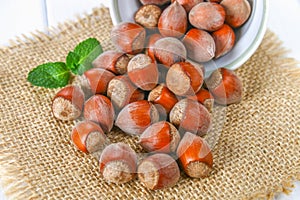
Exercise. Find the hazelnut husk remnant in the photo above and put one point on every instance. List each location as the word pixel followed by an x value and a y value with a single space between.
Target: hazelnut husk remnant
pixel 113 61
pixel 158 171
pixel 225 86
pixel 88 137
pixel 184 79
pixel 143 72
pixel 121 92
pixel 190 115
pixel 68 103
pixel 148 16
pixel 195 156
pixel 118 163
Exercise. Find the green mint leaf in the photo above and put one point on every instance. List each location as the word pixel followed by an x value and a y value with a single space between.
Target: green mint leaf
pixel 50 75
pixel 83 55
pixel 72 61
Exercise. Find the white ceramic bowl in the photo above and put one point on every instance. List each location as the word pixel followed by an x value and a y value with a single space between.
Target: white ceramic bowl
pixel 248 37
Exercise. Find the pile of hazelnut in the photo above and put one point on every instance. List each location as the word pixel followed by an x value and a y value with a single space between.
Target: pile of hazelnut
pixel 154 87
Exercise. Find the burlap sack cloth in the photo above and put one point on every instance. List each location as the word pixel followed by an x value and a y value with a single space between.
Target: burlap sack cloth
pixel 256 156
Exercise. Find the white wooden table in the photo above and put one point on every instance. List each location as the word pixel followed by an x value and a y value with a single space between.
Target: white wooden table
pixel 23 16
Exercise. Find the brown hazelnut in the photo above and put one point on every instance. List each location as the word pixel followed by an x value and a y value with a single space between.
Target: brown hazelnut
pixel 118 163
pixel 129 37
pixel 148 16
pixel 224 39
pixel 199 66
pixel 204 97
pixel 190 115
pixel 184 79
pixel 155 2
pixel 200 45
pixel 160 137
pixel 122 92
pixel 88 137
pixel 113 61
pixel 99 109
pixel 68 103
pixel 163 96
pixel 96 80
pixel 158 171
pixel 237 12
pixel 143 72
pixel 214 1
pixel 169 50
pixel 207 16
pixel 173 21
pixel 135 117
pixel 188 4
pixel 195 156
pixel 225 86
pixel 150 45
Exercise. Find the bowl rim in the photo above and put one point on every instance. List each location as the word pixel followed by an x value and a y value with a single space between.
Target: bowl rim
pixel 238 61
pixel 248 52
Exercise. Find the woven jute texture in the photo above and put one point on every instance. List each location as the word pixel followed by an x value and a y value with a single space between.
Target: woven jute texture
pixel 256 156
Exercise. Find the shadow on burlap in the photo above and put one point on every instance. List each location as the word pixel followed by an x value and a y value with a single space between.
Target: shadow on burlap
pixel 256 156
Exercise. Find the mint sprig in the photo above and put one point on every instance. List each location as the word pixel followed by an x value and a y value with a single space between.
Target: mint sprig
pixel 50 75
pixel 83 55
pixel 57 74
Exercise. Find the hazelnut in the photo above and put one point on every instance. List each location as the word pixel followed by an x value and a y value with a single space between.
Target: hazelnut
pixel 158 171
pixel 143 72
pixel 169 50
pixel 190 115
pixel 225 86
pixel 150 45
pixel 118 163
pixel 129 37
pixel 99 109
pixel 207 16
pixel 173 21
pixel 160 137
pixel 155 2
pixel 199 66
pixel 204 97
pixel 113 61
pixel 224 39
pixel 96 80
pixel 237 12
pixel 68 103
pixel 148 16
pixel 188 4
pixel 195 156
pixel 200 45
pixel 122 92
pixel 214 1
pixel 135 117
pixel 163 96
pixel 183 79
pixel 88 137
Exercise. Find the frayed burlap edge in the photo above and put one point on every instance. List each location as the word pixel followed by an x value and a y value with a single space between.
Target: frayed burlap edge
pixel 14 182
